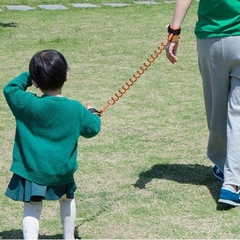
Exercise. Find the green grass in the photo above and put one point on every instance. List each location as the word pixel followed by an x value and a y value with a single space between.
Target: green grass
pixel 146 174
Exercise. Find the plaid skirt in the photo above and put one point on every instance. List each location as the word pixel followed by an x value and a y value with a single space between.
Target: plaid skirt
pixel 20 189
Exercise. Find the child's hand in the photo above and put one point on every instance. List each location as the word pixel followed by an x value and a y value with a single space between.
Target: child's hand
pixel 88 105
pixel 93 110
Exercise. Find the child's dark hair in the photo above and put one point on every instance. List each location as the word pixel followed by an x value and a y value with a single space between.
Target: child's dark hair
pixel 48 68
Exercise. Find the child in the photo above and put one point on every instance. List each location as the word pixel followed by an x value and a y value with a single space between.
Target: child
pixel 46 140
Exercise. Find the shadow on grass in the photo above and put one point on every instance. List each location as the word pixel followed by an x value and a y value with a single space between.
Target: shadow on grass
pixel 11 234
pixel 17 234
pixel 184 173
pixel 11 24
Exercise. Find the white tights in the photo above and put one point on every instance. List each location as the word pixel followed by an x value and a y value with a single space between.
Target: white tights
pixel 32 212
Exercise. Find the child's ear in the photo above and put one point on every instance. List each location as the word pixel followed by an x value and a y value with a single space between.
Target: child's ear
pixel 34 83
pixel 67 76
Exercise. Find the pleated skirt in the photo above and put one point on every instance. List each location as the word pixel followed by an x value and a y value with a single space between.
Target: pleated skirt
pixel 20 189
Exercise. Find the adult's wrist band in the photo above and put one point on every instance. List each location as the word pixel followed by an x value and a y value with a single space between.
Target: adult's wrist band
pixel 174 31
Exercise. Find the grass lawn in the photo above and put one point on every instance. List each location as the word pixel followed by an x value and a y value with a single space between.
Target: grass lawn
pixel 146 174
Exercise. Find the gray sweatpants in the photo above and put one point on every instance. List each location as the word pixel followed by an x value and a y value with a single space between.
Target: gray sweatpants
pixel 219 64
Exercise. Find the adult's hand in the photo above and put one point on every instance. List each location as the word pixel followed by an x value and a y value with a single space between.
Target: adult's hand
pixel 171 52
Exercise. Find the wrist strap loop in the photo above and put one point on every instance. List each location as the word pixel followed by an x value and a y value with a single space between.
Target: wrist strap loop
pixel 174 31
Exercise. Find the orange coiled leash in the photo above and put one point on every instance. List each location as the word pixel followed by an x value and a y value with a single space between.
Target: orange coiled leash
pixel 172 37
pixel 135 77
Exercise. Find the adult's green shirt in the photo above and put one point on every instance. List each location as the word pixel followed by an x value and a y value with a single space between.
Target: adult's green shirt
pixel 218 18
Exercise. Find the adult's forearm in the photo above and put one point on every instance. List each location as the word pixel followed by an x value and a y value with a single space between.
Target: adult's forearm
pixel 180 12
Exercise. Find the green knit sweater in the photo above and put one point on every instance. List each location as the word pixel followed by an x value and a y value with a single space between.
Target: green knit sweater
pixel 47 133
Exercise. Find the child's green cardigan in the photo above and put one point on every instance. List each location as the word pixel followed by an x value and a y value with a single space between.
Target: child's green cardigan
pixel 47 132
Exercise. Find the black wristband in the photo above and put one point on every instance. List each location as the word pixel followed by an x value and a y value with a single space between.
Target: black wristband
pixel 174 31
pixel 94 111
